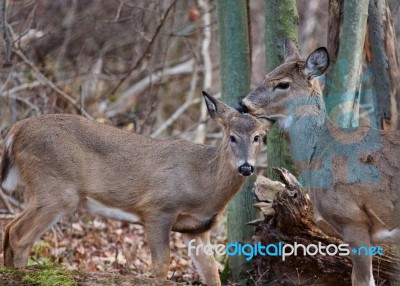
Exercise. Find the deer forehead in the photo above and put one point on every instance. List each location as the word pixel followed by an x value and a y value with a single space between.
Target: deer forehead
pixel 244 124
pixel 290 69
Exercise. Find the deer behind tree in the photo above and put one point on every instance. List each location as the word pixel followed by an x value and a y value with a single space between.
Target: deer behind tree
pixel 352 175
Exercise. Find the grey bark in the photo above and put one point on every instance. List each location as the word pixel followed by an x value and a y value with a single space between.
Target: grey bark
pixel 342 82
pixel 281 22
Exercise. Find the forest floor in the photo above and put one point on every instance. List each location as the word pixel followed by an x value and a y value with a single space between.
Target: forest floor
pixel 51 276
pixel 96 249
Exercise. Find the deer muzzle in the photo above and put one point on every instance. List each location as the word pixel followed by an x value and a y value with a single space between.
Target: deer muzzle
pixel 241 107
pixel 246 169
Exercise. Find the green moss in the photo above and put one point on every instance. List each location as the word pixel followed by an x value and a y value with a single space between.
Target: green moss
pixel 225 274
pixel 37 258
pixel 11 271
pixel 108 281
pixel 281 22
pixel 288 19
pixel 41 276
pixel 49 277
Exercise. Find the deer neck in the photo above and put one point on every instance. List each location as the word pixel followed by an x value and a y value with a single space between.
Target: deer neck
pixel 308 132
pixel 226 179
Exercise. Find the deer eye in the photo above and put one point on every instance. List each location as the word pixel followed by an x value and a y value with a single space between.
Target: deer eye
pixel 256 138
pixel 282 85
pixel 233 139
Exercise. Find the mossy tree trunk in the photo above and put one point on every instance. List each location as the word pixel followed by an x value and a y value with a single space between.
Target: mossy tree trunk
pixel 281 22
pixel 343 79
pixel 235 77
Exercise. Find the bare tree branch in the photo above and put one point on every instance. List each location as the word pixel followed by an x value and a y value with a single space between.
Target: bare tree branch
pixel 201 129
pixel 181 109
pixel 41 77
pixel 128 98
pixel 23 100
pixel 147 49
pixel 70 22
pixel 6 203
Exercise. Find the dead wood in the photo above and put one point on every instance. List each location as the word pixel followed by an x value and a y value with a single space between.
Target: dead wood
pixel 288 218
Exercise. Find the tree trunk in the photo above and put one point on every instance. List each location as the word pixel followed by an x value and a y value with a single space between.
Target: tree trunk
pixel 235 80
pixel 281 22
pixel 334 23
pixel 383 62
pixel 342 81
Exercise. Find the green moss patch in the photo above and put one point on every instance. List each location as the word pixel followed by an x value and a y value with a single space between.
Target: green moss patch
pixel 49 277
pixel 37 276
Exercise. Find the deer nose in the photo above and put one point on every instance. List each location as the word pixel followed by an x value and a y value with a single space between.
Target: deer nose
pixel 241 107
pixel 246 169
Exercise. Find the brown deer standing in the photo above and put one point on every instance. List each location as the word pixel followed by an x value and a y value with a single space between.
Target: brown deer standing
pixel 352 175
pixel 66 161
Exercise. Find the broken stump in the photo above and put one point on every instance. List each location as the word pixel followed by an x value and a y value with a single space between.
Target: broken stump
pixel 287 217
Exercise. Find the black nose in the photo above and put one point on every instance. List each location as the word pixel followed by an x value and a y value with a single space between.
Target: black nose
pixel 241 107
pixel 246 169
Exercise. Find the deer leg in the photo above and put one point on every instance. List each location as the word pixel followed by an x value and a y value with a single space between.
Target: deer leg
pixel 23 233
pixel 357 236
pixel 7 251
pixel 206 265
pixel 157 232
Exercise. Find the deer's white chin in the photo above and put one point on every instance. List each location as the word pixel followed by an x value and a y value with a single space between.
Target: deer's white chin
pixel 285 122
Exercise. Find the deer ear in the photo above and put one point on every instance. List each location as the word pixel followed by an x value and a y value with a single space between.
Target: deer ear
pixel 317 63
pixel 216 108
pixel 265 124
pixel 290 50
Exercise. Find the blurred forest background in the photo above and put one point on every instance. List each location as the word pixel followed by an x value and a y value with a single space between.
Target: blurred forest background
pixel 131 64
pixel 136 64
